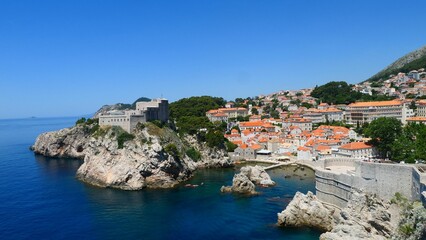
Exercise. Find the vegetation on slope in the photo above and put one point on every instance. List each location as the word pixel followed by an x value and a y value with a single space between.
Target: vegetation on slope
pixel 412 225
pixel 399 143
pixel 190 117
pixel 190 113
pixel 342 93
pixel 412 61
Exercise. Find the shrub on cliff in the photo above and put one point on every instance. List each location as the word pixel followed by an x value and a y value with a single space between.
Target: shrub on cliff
pixel 123 137
pixel 172 150
pixel 412 225
pixel 193 154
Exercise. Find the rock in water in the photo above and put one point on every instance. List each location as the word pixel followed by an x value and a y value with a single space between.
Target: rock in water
pixel 306 211
pixel 244 182
pixel 241 184
pixel 257 175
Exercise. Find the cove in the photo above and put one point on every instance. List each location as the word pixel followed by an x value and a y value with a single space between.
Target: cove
pixel 42 199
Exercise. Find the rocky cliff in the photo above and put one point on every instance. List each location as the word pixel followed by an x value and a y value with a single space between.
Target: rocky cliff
pixel 365 217
pixel 152 157
pixel 411 61
pixel 307 211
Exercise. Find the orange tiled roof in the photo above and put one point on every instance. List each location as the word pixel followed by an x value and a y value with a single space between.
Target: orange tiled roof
pixel 376 104
pixel 355 146
pixel 256 146
pixel 303 149
pixel 322 148
pixel 251 124
pixel 420 119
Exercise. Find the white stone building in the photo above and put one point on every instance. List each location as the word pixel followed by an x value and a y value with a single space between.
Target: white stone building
pixel 156 109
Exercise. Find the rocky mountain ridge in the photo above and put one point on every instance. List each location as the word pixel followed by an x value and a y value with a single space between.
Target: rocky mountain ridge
pixel 411 61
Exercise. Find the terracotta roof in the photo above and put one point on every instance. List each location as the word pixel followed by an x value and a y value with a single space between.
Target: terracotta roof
pixel 251 124
pixel 322 148
pixel 256 146
pixel 303 149
pixel 355 146
pixel 376 104
pixel 415 119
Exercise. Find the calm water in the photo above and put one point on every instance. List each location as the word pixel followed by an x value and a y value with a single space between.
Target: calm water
pixel 41 199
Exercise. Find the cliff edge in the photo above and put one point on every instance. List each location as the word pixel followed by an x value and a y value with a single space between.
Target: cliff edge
pixel 152 156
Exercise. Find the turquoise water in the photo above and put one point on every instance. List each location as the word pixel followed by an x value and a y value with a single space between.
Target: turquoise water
pixel 41 199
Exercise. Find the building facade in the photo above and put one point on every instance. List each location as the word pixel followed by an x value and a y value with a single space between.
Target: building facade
pixel 366 112
pixel 223 114
pixel 156 109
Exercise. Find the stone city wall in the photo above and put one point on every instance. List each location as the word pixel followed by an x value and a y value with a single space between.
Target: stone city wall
pixel 378 178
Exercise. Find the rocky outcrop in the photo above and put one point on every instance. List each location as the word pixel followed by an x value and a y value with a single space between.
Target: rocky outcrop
pixel 118 107
pixel 257 175
pixel 244 182
pixel 306 211
pixel 365 217
pixel 210 157
pixel 240 184
pixel 142 162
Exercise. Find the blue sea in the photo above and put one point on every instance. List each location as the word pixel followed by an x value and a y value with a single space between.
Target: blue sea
pixel 40 198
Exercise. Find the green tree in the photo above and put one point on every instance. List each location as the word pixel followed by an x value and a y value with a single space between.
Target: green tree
pixel 230 146
pixel 215 138
pixel 80 121
pixel 254 111
pixel 383 132
pixel 420 142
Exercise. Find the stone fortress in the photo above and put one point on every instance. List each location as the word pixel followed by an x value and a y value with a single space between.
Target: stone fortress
pixel 338 179
pixel 156 109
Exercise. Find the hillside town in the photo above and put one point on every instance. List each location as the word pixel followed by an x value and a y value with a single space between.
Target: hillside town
pixel 293 124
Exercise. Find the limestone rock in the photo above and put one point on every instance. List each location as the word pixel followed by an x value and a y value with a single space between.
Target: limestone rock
pixel 244 182
pixel 142 162
pixel 306 211
pixel 210 157
pixel 365 217
pixel 240 184
pixel 257 175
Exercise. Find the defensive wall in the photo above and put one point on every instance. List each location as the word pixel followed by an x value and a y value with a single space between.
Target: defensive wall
pixel 337 179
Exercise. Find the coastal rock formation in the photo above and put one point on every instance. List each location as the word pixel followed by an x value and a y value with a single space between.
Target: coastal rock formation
pixel 240 184
pixel 210 157
pixel 143 160
pixel 244 182
pixel 365 217
pixel 306 211
pixel 257 175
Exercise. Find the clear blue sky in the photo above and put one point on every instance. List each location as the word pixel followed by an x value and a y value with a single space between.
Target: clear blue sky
pixel 66 58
